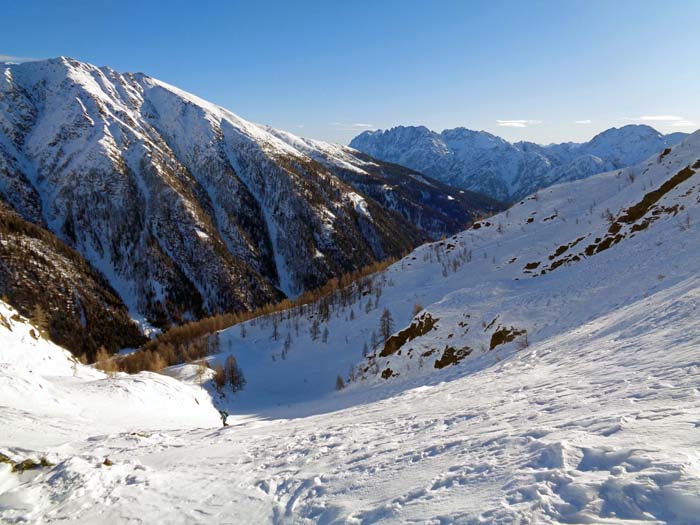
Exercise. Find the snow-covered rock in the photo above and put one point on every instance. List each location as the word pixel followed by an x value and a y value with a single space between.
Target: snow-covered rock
pixel 480 161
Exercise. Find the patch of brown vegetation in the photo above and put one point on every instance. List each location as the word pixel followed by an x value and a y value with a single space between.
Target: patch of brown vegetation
pixel 636 212
pixel 452 355
pixel 421 326
pixel 630 216
pixel 504 335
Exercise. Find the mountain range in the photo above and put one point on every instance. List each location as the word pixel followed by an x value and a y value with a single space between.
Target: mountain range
pixel 482 162
pixel 187 209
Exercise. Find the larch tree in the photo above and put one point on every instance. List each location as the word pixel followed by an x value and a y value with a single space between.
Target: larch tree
pixel 386 324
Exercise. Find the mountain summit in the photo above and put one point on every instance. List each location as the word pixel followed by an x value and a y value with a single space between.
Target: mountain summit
pixel 188 209
pixel 480 161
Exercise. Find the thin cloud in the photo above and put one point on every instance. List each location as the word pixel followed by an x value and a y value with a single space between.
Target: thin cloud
pixel 660 118
pixel 655 118
pixel 683 124
pixel 354 127
pixel 517 123
pixel 668 121
pixel 586 121
pixel 349 125
pixel 12 58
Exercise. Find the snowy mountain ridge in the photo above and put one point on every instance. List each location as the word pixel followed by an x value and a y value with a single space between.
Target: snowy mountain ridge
pixel 188 209
pixel 480 161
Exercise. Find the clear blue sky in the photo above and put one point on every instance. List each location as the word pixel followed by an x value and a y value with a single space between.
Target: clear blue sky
pixel 330 69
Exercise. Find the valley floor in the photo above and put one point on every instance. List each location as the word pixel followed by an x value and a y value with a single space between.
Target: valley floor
pixel 600 424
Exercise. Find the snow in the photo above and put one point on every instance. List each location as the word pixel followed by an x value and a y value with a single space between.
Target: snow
pixel 592 419
pixel 480 161
pixel 596 425
pixel 360 204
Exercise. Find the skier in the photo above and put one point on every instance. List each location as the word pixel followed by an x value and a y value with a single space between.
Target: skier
pixel 224 417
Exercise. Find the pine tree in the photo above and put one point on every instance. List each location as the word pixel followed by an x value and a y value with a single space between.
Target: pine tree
pixel 339 383
pixel 213 344
pixel 287 345
pixel 40 320
pixel 234 374
pixel 104 362
pixel 201 372
pixel 364 350
pixel 219 378
pixel 386 324
pixel 314 330
pixel 275 329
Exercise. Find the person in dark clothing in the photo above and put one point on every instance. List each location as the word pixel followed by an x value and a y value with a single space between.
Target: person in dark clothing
pixel 224 417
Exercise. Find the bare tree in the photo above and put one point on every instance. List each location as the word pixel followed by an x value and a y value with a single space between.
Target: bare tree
pixel 314 330
pixel 386 324
pixel 287 344
pixel 201 372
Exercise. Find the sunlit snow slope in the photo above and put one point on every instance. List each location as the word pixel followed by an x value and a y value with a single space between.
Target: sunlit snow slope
pixel 552 376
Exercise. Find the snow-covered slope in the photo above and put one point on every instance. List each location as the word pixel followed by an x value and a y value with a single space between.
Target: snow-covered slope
pixel 551 376
pixel 47 398
pixel 187 208
pixel 480 161
pixel 39 378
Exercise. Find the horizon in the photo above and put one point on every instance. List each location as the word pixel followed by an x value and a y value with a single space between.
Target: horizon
pixel 330 72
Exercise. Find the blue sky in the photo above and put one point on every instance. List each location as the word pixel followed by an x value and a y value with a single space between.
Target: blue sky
pixel 546 71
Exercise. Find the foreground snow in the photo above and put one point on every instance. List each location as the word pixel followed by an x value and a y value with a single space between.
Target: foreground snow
pixel 598 425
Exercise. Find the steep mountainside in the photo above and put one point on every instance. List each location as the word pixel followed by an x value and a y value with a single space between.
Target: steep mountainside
pixel 81 311
pixel 480 161
pixel 188 209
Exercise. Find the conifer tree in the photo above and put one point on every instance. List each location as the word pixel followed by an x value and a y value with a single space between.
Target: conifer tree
pixel 201 372
pixel 315 330
pixel 386 324
pixel 287 345
pixel 40 320
pixel 234 374
pixel 275 329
